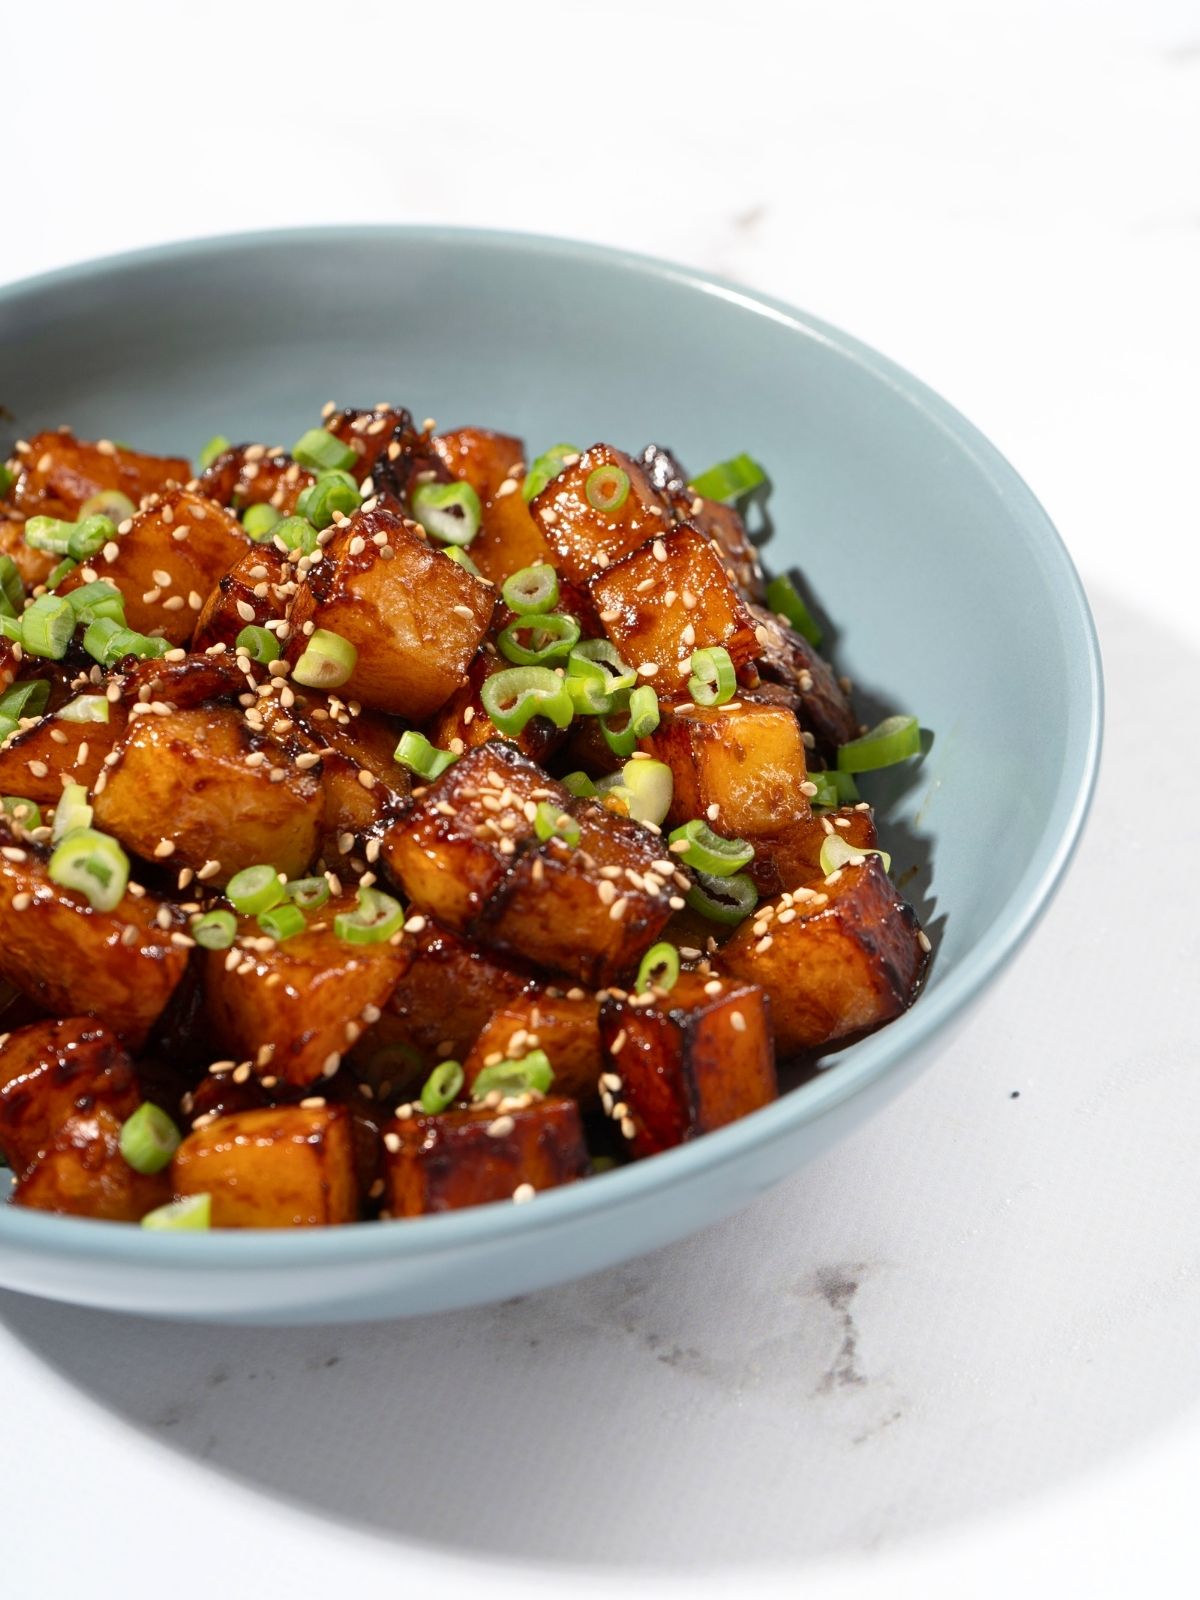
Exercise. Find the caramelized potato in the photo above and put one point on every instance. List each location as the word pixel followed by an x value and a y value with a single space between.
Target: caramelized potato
pixel 835 957
pixel 71 959
pixel 36 761
pixel 59 472
pixel 699 1057
pixel 35 566
pixel 669 598
pixel 350 747
pixel 585 540
pixel 390 451
pixel 82 1173
pixel 306 999
pixel 468 1157
pixel 822 703
pixel 247 475
pixel 794 856
pixel 186 778
pixel 493 464
pixel 463 717
pixel 279 1167
pixel 256 589
pixel 567 1029
pixel 50 1071
pixel 415 617
pixel 747 761
pixel 724 526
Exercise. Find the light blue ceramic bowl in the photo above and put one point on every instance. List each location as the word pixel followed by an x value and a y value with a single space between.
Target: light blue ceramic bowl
pixel 952 593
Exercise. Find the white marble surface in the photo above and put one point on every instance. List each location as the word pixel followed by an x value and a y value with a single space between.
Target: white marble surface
pixel 960 1350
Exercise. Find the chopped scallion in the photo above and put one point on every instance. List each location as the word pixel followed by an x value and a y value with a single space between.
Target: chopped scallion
pixel 376 918
pixel 97 599
pixel 659 968
pixel 295 533
pixel 328 661
pixel 537 640
pixel 786 601
pixel 191 1214
pixel 713 680
pixel 215 447
pixel 322 451
pixel 892 740
pixel 545 468
pixel 709 852
pixel 260 522
pixel 532 590
pixel 310 894
pixel 607 488
pixel 26 699
pixel 259 643
pixel 282 922
pixel 442 1087
pixel 333 491
pixel 729 480
pixel 728 900
pixel 837 851
pixel 12 587
pixel 110 503
pixel 93 864
pixel 48 626
pixel 254 890
pixel 532 1074
pixel 449 512
pixel 513 697
pixel 834 789
pixel 26 812
pixel 72 812
pixel 215 930
pixel 148 1139
pixel 551 823
pixel 417 754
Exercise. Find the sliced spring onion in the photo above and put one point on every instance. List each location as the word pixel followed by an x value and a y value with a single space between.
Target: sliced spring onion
pixel 641 790
pixel 442 1087
pixel 215 447
pixel 97 599
pixel 713 680
pixel 333 491
pixel 254 890
pixel 322 451
pixel 260 522
pixel 534 641
pixel 892 740
pixel 602 653
pixel 460 558
pixel 260 643
pixel 149 1139
pixel 92 863
pixel 642 719
pixel 837 851
pixel 26 699
pixel 580 785
pixel 47 627
pixel 192 1214
pixel 89 535
pixel 282 922
pixel 71 812
pixel 532 1074
pixel 310 894
pixel 7 478
pixel 728 900
pixel 49 534
pixel 834 789
pixel 417 754
pixel 546 468
pixel 375 919
pixel 709 852
pixel 551 823
pixel 27 812
pixel 215 930
pixel 659 968
pixel 449 512
pixel 108 642
pixel 58 573
pixel 588 685
pixel 607 488
pixel 10 628
pixel 110 503
pixel 786 601
pixel 8 725
pixel 729 480
pixel 295 533
pixel 12 587
pixel 328 661
pixel 513 697
pixel 532 590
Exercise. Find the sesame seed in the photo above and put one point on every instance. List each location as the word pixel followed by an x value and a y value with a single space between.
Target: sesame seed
pixel 331 1063
pixel 713 986
pixel 648 669
pixel 618 908
pixel 500 1127
pixel 391 1143
pixel 628 1129
pixel 615 1048
pixel 464 611
pixel 922 939
pixel 21 901
pixel 245 610
pixel 737 1022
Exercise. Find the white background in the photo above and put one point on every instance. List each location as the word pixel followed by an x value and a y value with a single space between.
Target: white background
pixel 962 1352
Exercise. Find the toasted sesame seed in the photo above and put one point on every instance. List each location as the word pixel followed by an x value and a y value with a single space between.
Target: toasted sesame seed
pixel 713 986
pixel 21 902
pixel 500 1127
pixel 391 1142
pixel 245 610
pixel 615 1048
pixel 924 941
pixel 628 1128
pixel 737 1022
pixel 331 1063
pixel 648 669
pixel 618 909
pixel 523 1193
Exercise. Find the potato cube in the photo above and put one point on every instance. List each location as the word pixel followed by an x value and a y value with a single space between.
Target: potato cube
pixel 698 1057
pixel 246 475
pixel 567 1029
pixel 493 464
pixel 36 761
pixel 59 472
pixel 362 784
pixel 585 539
pixel 256 590
pixel 415 617
pixel 278 1167
pixel 82 1173
pixel 835 957
pixel 724 526
pixel 470 1157
pixel 745 760
pixel 50 1071
pixel 793 856
pixel 821 701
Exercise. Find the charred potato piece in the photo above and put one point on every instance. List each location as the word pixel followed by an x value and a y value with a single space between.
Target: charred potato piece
pixel 247 475
pixel 205 782
pixel 463 717
pixel 72 959
pixel 391 453
pixel 794 856
pixel 415 617
pixel 566 1027
pixel 493 464
pixel 36 761
pixel 279 1167
pixel 695 1059
pixel 747 761
pixel 592 910
pixel 469 1157
pixel 82 1173
pixel 294 1009
pixel 669 598
pixel 184 683
pixel 586 540
pixel 460 836
pixel 724 526
pixel 835 957
pixel 256 589
pixel 35 566
pixel 823 705
pixel 172 555
pixel 50 1071
pixel 59 472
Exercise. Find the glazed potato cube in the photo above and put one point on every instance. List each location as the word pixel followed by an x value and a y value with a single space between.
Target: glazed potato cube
pixel 59 472
pixel 493 464
pixel 278 1167
pixel 35 566
pixel 586 540
pixel 385 441
pixel 567 1029
pixel 592 910
pixel 82 1173
pixel 794 856
pixel 835 957
pixel 185 683
pixel 172 555
pixel 463 717
pixel 469 1157
pixel 724 526
pixel 746 760
pixel 50 1071
pixel 118 965
pixel 821 702
pixel 248 475
pixel 304 998
pixel 415 617
pixel 460 836
pixel 254 591
pixel 185 777
pixel 36 761
pixel 363 786
pixel 699 1057
pixel 669 598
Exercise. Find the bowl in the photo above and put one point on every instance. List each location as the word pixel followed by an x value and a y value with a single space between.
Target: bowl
pixel 953 597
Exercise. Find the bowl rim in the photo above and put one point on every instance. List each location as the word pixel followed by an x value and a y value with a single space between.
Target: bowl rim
pixel 70 1238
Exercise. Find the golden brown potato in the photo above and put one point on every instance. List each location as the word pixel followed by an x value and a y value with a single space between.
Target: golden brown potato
pixel 38 760
pixel 82 1173
pixel 724 526
pixel 390 449
pixel 463 717
pixel 668 599
pixel 295 1007
pixel 567 1029
pixel 835 957
pixel 256 589
pixel 793 856
pixel 697 1058
pixel 586 540
pixel 469 1157
pixel 415 617
pixel 72 960
pixel 349 747
pixel 35 566
pixel 248 475
pixel 187 778
pixel 493 464
pixel 822 703
pixel 53 1070
pixel 279 1167
pixel 747 761
pixel 59 472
